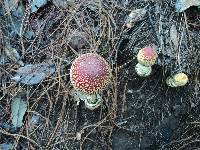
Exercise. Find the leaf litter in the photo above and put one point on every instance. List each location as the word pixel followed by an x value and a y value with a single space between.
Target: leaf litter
pixel 182 5
pixel 32 74
pixel 134 16
pixel 18 109
pixel 14 55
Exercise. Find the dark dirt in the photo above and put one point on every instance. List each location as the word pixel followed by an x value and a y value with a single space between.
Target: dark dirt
pixel 137 113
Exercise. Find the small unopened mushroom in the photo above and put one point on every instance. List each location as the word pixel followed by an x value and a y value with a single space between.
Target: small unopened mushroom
pixel 179 79
pixel 146 58
pixel 90 74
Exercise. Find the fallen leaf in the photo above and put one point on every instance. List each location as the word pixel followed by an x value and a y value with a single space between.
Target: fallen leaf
pixel 182 5
pixel 13 54
pixel 36 4
pixel 15 26
pixel 33 121
pixel 33 73
pixel 94 5
pixel 63 3
pixel 18 109
pixel 20 10
pixel 11 5
pixel 174 36
pixel 6 146
pixel 134 16
pixel 77 40
pixel 3 59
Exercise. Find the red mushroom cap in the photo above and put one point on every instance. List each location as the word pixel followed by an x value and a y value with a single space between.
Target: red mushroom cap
pixel 147 56
pixel 90 73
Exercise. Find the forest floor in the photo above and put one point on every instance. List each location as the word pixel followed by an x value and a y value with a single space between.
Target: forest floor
pixel 137 113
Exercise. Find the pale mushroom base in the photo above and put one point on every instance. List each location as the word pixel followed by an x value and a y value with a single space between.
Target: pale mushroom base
pixel 143 71
pixel 173 83
pixel 91 101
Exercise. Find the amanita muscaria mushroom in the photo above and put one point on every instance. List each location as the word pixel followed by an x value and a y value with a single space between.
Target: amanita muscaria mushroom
pixel 179 79
pixel 146 58
pixel 89 74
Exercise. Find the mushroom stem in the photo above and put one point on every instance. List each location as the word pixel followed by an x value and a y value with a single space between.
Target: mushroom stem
pixel 142 70
pixel 179 79
pixel 92 101
pixel 170 82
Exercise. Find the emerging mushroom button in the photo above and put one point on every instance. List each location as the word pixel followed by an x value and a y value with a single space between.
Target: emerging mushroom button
pixel 89 74
pixel 146 58
pixel 179 79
